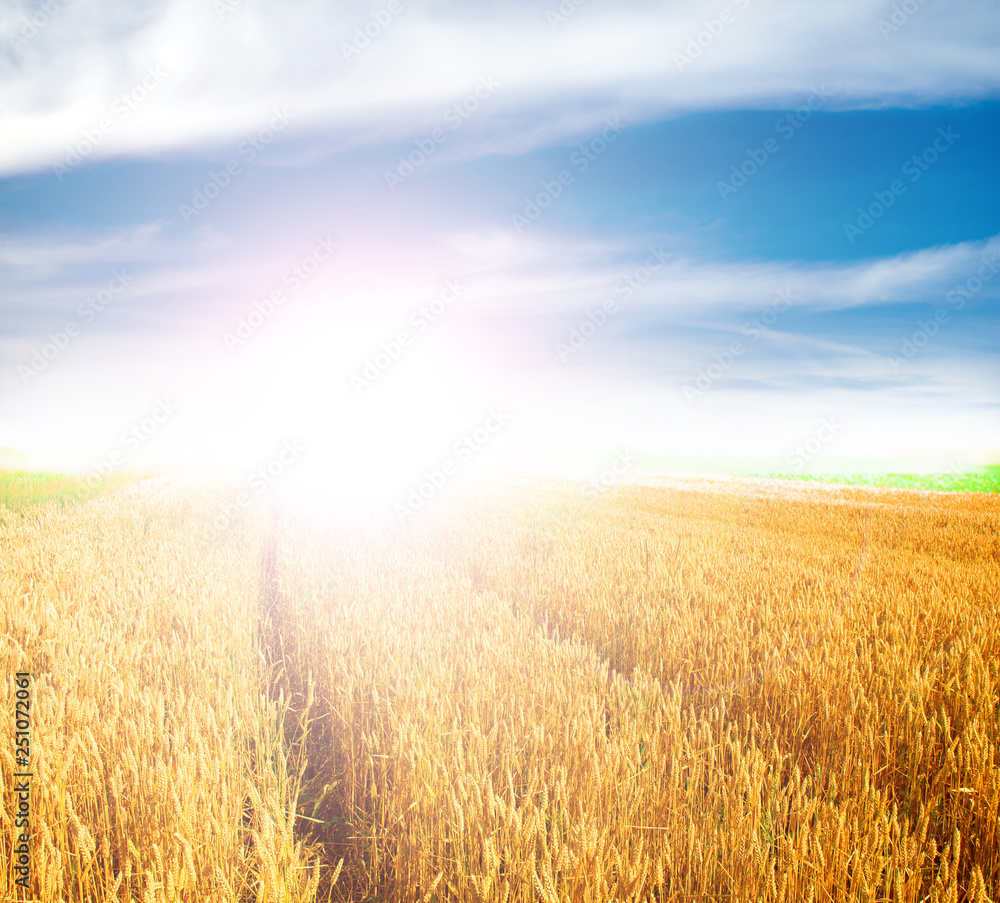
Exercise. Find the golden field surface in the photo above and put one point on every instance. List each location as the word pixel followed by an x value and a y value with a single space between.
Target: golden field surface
pixel 687 690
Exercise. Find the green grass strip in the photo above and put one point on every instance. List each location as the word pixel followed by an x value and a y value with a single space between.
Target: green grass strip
pixel 982 479
pixel 20 489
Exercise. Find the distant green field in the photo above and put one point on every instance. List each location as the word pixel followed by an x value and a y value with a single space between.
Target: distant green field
pixel 982 479
pixel 20 490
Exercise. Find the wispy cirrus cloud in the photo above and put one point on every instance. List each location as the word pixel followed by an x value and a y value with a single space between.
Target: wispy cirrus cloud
pixel 44 256
pixel 224 72
pixel 552 275
pixel 517 280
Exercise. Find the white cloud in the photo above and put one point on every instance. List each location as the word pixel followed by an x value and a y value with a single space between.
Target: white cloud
pixel 544 275
pixel 49 255
pixel 224 77
pixel 523 280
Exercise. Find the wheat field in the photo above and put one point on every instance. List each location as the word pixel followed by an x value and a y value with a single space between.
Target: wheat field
pixel 688 690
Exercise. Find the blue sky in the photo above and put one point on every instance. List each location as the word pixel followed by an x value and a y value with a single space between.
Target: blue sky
pixel 690 257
